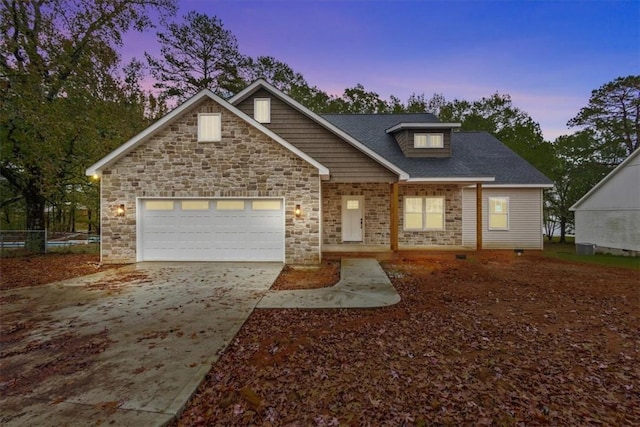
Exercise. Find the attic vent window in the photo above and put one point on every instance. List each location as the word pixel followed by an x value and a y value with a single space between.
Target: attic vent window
pixel 428 140
pixel 209 127
pixel 262 110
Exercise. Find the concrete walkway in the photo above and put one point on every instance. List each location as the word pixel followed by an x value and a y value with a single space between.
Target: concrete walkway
pixel 363 284
pixel 161 325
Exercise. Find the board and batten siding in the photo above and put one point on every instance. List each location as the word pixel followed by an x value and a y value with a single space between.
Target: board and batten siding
pixel 346 163
pixel 525 219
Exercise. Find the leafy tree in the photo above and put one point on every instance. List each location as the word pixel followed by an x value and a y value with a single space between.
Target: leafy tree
pixel 314 99
pixel 277 73
pixel 613 115
pixel 498 116
pixel 62 107
pixel 197 54
pixel 357 100
pixel 574 172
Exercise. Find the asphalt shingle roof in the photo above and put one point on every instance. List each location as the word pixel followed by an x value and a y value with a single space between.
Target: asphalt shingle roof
pixel 474 154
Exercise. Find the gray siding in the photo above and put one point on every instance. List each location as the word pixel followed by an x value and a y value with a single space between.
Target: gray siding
pixel 405 140
pixel 346 163
pixel 525 219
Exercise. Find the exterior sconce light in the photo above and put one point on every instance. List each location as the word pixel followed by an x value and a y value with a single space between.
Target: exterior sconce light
pixel 120 210
pixel 297 211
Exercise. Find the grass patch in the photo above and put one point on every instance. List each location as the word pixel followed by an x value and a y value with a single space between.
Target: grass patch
pixel 567 252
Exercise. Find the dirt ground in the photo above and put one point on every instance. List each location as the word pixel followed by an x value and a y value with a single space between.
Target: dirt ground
pixel 36 270
pixel 491 340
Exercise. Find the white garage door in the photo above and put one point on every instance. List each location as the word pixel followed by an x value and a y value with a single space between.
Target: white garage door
pixel 211 230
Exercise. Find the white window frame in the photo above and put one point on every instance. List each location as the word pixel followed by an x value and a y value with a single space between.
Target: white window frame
pixel 425 214
pixel 431 140
pixel 209 127
pixel 266 118
pixel 490 213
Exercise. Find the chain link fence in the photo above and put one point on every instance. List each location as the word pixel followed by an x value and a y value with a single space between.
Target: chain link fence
pixel 42 241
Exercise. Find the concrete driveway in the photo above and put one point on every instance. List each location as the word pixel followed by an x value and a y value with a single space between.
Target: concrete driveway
pixel 123 347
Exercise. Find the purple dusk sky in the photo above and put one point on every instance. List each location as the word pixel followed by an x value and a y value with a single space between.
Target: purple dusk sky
pixel 548 56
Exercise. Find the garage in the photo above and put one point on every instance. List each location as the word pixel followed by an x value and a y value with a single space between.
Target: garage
pixel 211 230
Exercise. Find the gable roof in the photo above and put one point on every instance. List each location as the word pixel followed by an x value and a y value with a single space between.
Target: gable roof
pixel 604 180
pixel 143 136
pixel 355 142
pixel 476 156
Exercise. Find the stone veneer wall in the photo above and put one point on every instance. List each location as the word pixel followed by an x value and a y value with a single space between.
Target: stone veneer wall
pixel 377 200
pixel 452 233
pixel 246 163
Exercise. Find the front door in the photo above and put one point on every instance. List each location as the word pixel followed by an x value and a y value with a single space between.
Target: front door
pixel 352 218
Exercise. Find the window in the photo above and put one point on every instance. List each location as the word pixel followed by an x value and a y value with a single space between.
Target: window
pixel 424 213
pixel 262 110
pixel 209 127
pixel 428 140
pixel 353 204
pixel 195 205
pixel 498 213
pixel 230 205
pixel 265 205
pixel 158 205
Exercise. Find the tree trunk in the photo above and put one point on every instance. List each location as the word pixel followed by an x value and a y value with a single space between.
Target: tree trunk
pixel 563 229
pixel 35 202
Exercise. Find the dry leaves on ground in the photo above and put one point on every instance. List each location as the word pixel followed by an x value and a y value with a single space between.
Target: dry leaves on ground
pixel 37 270
pixel 493 340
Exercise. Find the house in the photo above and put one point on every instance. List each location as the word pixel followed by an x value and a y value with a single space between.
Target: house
pixel 260 177
pixel 608 216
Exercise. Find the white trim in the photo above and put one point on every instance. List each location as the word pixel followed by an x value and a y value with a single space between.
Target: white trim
pixel 255 104
pixel 424 213
pixel 343 209
pixel 489 213
pixel 435 125
pixel 260 83
pixel 125 148
pixel 141 199
pixel 320 218
pixel 604 180
pixel 515 186
pixel 457 179
pixel 217 131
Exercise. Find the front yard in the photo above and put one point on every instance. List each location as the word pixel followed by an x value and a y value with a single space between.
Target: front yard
pixel 492 340
pixel 495 339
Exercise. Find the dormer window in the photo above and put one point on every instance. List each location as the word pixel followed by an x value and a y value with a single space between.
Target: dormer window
pixel 428 140
pixel 262 110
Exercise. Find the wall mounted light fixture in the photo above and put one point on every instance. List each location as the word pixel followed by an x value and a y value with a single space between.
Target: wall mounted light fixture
pixel 120 210
pixel 297 211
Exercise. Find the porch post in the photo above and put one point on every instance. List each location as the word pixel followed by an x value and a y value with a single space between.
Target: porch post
pixel 394 217
pixel 479 216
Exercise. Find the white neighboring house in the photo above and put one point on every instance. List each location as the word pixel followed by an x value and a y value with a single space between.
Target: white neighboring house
pixel 609 214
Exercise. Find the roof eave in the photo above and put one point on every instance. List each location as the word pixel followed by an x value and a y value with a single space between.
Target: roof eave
pixel 604 180
pixel 122 150
pixel 435 125
pixel 115 155
pixel 452 179
pixel 261 83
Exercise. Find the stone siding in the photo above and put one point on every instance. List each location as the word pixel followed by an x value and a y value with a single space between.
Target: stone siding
pixel 246 163
pixel 452 233
pixel 377 200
